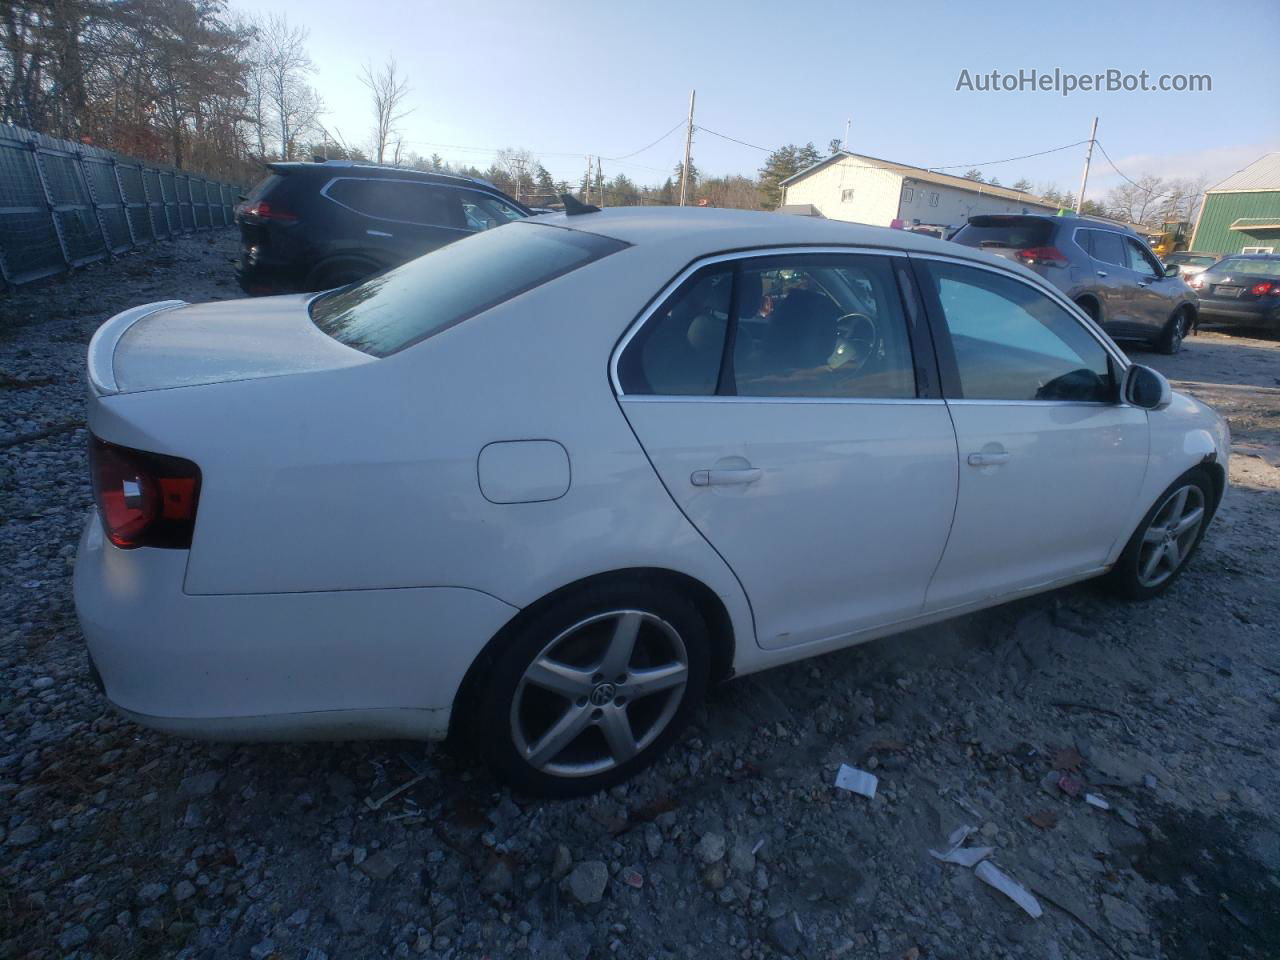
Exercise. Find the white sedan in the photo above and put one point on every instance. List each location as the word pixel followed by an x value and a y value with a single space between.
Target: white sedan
pixel 538 489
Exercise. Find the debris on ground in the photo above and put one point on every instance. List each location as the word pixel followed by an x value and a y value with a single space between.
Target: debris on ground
pixel 993 876
pixel 857 781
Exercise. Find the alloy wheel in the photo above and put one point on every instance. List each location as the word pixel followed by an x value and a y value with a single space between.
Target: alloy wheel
pixel 599 694
pixel 1170 536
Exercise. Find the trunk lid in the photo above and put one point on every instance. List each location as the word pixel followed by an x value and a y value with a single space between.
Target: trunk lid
pixel 173 344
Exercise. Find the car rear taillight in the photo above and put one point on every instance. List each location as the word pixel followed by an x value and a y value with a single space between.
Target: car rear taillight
pixel 1042 256
pixel 1263 288
pixel 1196 282
pixel 146 499
pixel 265 211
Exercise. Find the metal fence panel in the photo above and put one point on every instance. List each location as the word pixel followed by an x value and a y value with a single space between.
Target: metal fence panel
pixel 63 204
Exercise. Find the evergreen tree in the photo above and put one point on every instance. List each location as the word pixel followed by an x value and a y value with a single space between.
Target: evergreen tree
pixel 973 173
pixel 807 156
pixel 835 146
pixel 1022 184
pixel 667 195
pixel 779 165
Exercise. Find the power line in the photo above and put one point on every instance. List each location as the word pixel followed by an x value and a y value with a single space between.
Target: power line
pixel 992 163
pixel 679 124
pixel 744 143
pixel 1159 196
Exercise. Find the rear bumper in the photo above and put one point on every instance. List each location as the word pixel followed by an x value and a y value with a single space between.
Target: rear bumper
pixel 324 665
pixel 1229 311
pixel 261 276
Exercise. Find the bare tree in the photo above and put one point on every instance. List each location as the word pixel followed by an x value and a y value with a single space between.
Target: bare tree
pixel 285 65
pixel 387 89
pixel 518 167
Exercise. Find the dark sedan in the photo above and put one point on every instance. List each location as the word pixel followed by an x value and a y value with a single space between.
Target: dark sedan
pixel 1243 289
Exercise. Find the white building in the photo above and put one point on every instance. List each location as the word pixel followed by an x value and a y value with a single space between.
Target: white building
pixel 849 186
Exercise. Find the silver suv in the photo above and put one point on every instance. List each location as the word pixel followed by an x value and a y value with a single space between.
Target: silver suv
pixel 1107 270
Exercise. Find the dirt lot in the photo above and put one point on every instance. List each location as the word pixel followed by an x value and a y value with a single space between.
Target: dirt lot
pixel 119 843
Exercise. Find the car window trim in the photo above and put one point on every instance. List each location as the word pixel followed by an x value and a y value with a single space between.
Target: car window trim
pixel 668 289
pixel 324 192
pixel 951 389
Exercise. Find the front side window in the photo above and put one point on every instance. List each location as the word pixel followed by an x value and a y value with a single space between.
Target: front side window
pixel 1140 261
pixel 1012 342
pixel 811 325
pixel 484 211
pixel 397 309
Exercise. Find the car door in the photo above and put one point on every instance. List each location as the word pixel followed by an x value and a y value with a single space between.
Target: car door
pixel 1155 295
pixel 1115 279
pixel 1051 462
pixel 787 404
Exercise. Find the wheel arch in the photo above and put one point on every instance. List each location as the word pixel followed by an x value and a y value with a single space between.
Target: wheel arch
pixel 1091 305
pixel 709 605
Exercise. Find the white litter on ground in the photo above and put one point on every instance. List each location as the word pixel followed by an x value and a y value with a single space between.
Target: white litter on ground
pixel 857 781
pixel 991 875
pixel 957 853
pixel 1093 800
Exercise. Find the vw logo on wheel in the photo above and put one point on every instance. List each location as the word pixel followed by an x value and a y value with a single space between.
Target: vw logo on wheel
pixel 603 694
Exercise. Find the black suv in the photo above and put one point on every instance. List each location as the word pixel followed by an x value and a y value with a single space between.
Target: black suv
pixel 314 226
pixel 1107 269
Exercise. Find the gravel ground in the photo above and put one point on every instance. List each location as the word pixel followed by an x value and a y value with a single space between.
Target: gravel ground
pixel 119 843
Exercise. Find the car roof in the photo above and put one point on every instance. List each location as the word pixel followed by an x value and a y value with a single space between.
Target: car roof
pixel 1251 256
pixel 337 168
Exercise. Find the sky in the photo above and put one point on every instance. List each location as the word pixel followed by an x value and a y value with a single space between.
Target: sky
pixel 565 79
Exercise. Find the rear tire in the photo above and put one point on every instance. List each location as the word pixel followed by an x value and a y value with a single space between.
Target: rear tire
pixel 571 706
pixel 1166 539
pixel 1175 330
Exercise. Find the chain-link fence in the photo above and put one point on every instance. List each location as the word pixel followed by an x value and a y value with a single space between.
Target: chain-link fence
pixel 63 204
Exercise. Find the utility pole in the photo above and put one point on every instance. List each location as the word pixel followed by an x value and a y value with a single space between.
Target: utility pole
pixel 586 185
pixel 847 125
pixel 600 182
pixel 1084 178
pixel 688 149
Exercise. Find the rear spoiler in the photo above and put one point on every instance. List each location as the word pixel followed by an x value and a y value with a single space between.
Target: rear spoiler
pixel 102 348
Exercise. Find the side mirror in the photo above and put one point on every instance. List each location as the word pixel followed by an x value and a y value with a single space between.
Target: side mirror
pixel 1172 269
pixel 1146 388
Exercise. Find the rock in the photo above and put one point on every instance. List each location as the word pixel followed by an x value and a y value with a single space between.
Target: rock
pixel 710 848
pixel 741 859
pixel 784 935
pixel 382 864
pixel 262 950
pixel 44 683
pixel 299 917
pixel 151 920
pixel 588 881
pixel 1123 916
pixel 151 892
pixel 24 835
pixel 562 861
pixel 714 876
pixel 73 937
pixel 200 785
pixel 652 839
pixel 498 878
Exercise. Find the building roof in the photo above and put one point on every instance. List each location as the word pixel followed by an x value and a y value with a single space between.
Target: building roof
pixel 928 176
pixel 1262 174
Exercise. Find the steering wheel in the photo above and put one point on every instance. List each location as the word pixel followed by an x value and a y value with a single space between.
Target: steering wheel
pixel 857 337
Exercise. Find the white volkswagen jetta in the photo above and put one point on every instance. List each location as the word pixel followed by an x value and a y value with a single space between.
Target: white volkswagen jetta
pixel 541 487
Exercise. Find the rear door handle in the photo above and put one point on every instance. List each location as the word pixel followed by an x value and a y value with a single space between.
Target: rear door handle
pixel 988 459
pixel 1102 273
pixel 1144 284
pixel 721 478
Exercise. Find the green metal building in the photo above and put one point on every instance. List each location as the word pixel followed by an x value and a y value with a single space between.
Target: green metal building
pixel 1242 213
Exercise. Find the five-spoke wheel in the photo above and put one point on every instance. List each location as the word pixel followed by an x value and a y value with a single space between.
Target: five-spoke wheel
pixel 1166 538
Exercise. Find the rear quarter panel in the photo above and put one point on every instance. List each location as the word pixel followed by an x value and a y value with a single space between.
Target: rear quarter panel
pixel 367 478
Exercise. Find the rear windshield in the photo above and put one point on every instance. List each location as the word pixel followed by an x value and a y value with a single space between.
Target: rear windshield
pixel 1005 232
pixel 1249 268
pixel 263 185
pixel 1190 260
pixel 396 309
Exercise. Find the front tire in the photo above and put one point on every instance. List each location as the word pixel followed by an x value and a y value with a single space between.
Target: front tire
pixel 1175 330
pixel 1166 539
pixel 592 688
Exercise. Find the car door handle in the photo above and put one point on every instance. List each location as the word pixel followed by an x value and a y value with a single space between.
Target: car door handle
pixel 1144 283
pixel 988 459
pixel 722 478
pixel 1102 273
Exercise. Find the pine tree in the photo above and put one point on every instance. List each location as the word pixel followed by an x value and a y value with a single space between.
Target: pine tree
pixel 973 173
pixel 1022 184
pixel 779 165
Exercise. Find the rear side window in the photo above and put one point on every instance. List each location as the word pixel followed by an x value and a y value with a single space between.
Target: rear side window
pixel 1107 247
pixel 679 350
pixel 1015 232
pixel 398 200
pixel 484 212
pixel 397 309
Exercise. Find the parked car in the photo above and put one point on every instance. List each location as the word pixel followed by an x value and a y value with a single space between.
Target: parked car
pixel 1190 262
pixel 539 488
pixel 1107 270
pixel 1243 289
pixel 315 226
